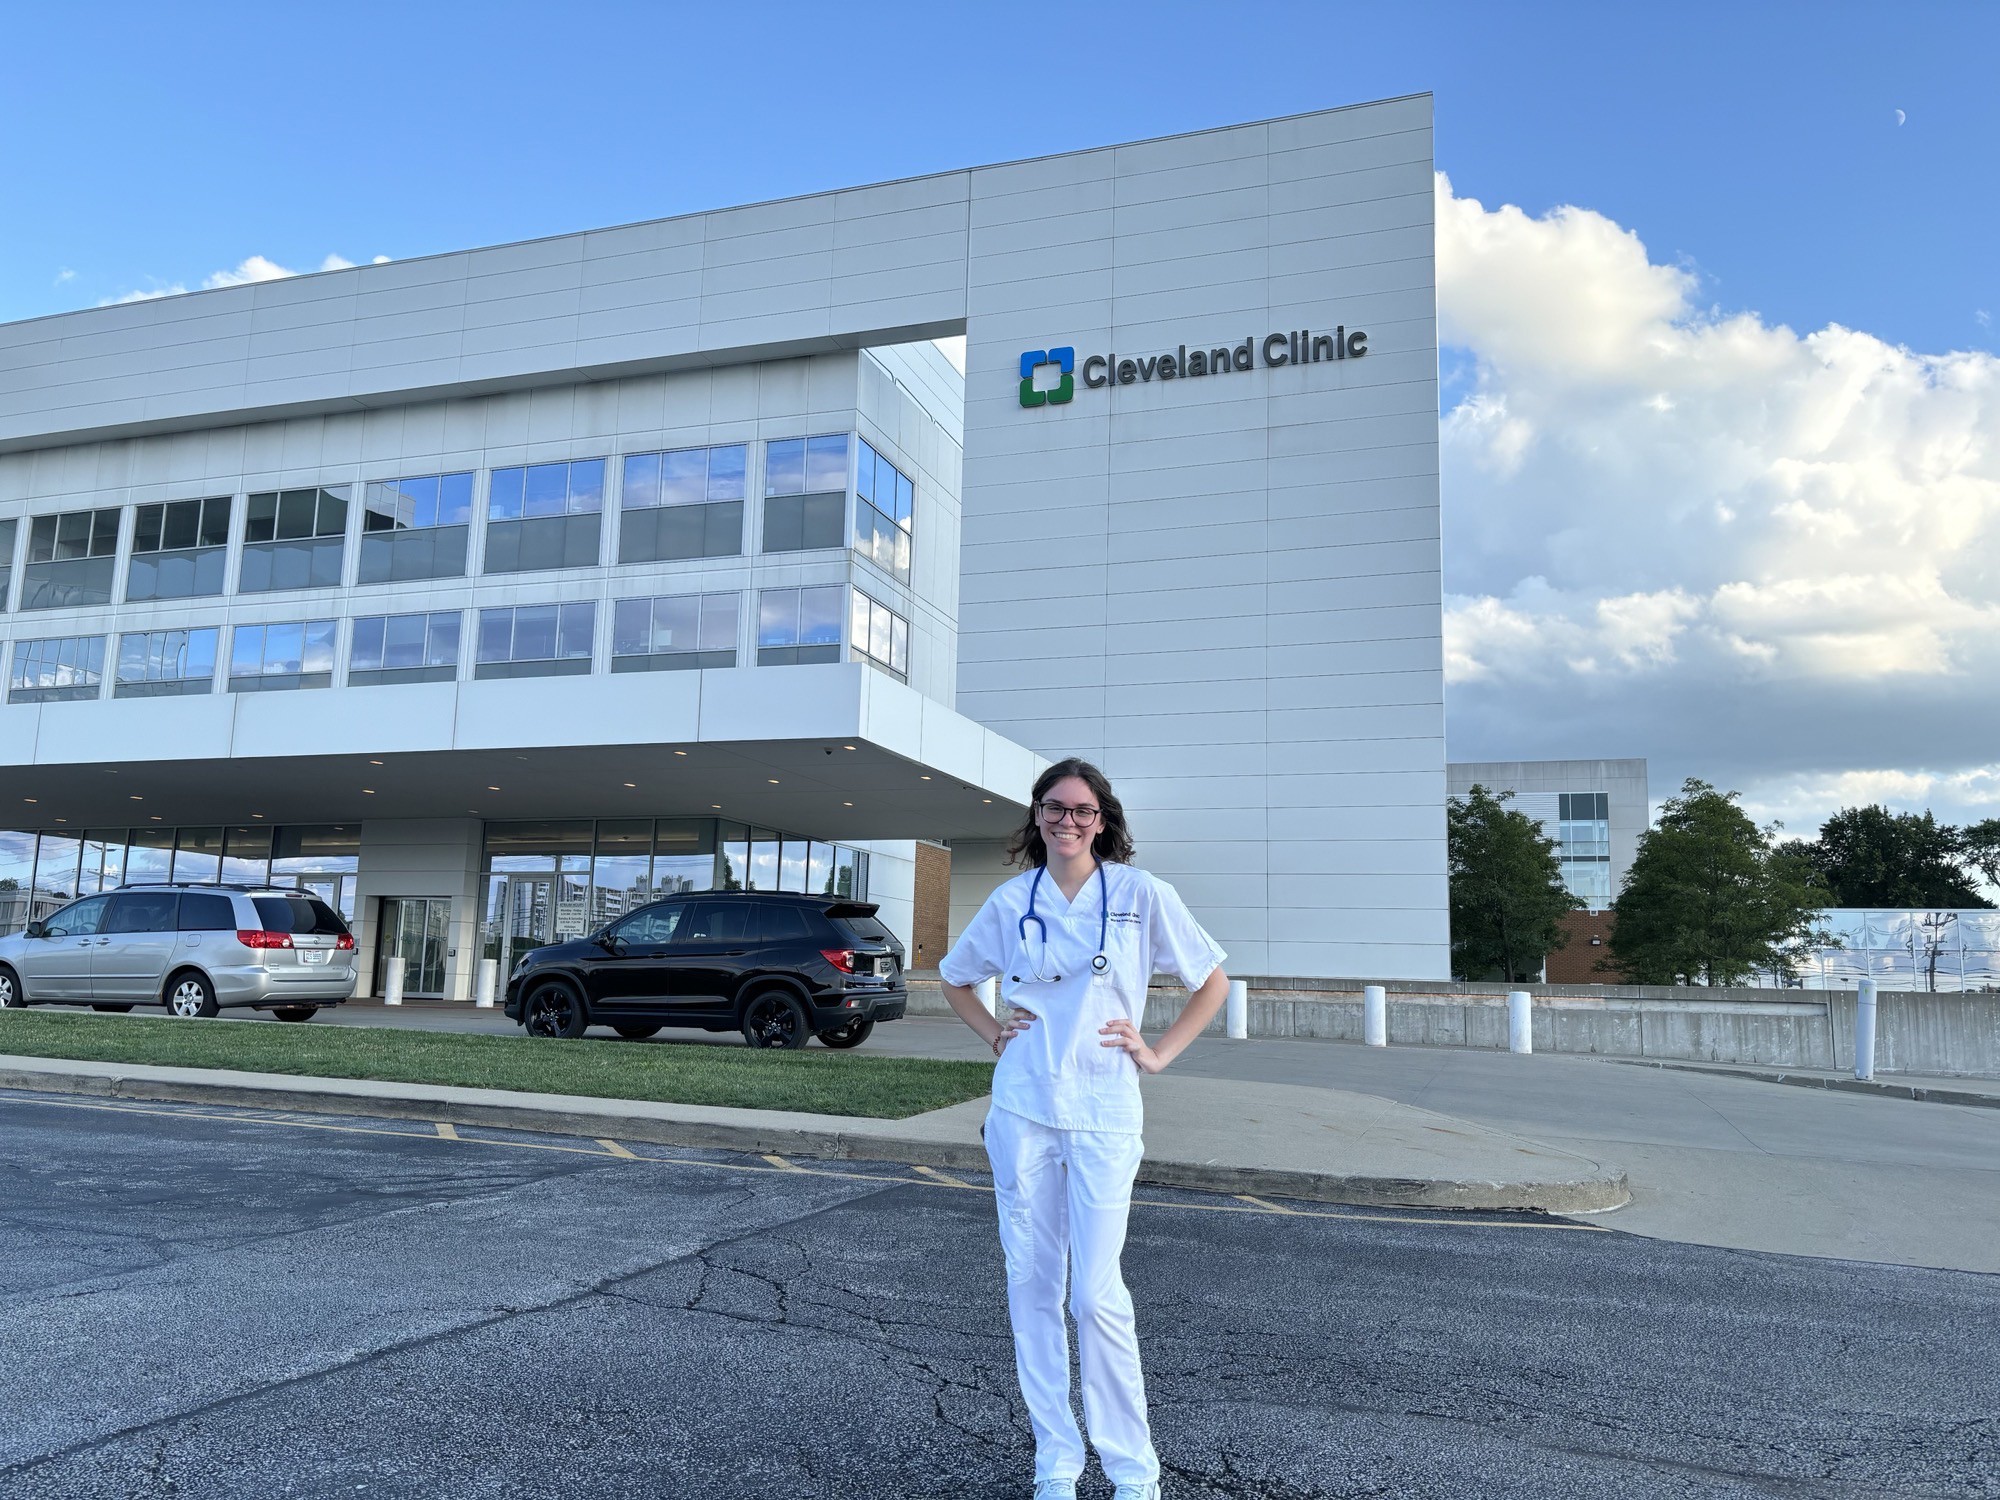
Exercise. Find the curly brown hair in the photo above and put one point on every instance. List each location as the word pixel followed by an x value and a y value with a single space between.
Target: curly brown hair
pixel 1114 838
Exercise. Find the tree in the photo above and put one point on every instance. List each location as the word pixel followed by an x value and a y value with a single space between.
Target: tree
pixel 1869 856
pixel 1709 900
pixel 1507 894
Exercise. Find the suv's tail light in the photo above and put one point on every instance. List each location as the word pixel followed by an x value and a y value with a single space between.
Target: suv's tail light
pixel 345 942
pixel 254 939
pixel 841 958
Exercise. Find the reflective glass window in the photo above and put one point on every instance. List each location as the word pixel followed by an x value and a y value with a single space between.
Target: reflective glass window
pixel 294 654
pixel 537 632
pixel 884 515
pixel 558 489
pixel 879 635
pixel 418 502
pixel 57 669
pixel 417 647
pixel 73 536
pixel 699 630
pixel 164 662
pixel 9 532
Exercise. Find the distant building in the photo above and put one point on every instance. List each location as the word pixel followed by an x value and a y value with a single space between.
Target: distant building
pixel 1595 810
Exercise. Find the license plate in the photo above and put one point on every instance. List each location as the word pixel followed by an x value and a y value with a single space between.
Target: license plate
pixel 314 955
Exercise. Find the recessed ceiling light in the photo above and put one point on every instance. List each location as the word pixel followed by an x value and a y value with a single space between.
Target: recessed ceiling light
pixel 772 779
pixel 30 799
pixel 374 762
pixel 680 752
pixel 633 784
pixel 987 800
pixel 847 804
pixel 368 791
pixel 847 747
pixel 256 815
pixel 137 798
pixel 923 778
pixel 716 805
pixel 156 817
pixel 493 789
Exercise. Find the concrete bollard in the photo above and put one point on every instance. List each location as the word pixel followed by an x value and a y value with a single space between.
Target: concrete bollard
pixel 1864 1029
pixel 988 991
pixel 1520 1021
pixel 1375 1015
pixel 488 983
pixel 1236 1010
pixel 392 982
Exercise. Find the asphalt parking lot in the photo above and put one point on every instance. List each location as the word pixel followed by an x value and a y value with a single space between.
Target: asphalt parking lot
pixel 232 1303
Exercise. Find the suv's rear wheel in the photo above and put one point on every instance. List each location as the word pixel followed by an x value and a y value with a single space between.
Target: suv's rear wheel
pixel 12 996
pixel 635 1031
pixel 774 1018
pixel 190 996
pixel 850 1034
pixel 295 1012
pixel 554 1009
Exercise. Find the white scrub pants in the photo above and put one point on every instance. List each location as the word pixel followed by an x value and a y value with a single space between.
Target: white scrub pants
pixel 1064 1196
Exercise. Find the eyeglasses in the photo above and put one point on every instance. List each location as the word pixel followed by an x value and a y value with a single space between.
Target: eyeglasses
pixel 1054 812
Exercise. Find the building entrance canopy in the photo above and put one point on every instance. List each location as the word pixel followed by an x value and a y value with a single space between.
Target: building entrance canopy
pixel 836 750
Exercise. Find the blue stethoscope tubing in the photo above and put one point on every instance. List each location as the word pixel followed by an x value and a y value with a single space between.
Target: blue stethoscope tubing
pixel 1098 964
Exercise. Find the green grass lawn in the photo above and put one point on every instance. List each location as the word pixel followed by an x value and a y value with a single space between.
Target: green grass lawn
pixel 827 1083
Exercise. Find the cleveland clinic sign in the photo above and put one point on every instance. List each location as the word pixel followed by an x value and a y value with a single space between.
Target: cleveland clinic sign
pixel 1300 346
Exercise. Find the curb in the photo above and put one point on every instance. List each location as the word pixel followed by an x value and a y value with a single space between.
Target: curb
pixel 1963 1098
pixel 1575 1195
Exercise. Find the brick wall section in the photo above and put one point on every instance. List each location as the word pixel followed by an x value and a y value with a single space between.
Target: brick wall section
pixel 1576 961
pixel 929 930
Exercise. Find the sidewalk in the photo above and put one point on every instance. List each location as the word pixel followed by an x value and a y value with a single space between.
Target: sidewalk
pixel 1211 1134
pixel 1976 1093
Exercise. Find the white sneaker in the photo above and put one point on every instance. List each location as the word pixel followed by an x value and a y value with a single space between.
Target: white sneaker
pixel 1147 1491
pixel 1055 1489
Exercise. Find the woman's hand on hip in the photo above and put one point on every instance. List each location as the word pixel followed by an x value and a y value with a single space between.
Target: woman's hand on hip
pixel 1017 1022
pixel 1122 1033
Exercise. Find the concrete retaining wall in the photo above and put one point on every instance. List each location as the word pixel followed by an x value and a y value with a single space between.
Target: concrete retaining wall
pixel 1949 1036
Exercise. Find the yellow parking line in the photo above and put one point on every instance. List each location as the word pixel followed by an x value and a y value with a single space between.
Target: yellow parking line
pixel 600 1149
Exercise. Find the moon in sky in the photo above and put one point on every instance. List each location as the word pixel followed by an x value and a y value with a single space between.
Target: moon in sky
pixel 1900 117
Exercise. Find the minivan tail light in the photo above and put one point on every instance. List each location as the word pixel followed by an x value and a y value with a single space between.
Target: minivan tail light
pixel 841 958
pixel 345 942
pixel 251 938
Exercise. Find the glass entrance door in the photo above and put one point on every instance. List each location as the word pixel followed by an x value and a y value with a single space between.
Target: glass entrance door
pixel 414 929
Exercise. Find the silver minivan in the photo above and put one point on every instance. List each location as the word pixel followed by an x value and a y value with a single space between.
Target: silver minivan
pixel 192 948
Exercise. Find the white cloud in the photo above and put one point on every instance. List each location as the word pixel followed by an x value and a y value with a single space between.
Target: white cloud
pixel 64 275
pixel 1750 554
pixel 253 268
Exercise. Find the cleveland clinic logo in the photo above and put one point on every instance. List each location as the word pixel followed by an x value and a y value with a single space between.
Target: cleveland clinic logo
pixel 1064 389
pixel 1297 346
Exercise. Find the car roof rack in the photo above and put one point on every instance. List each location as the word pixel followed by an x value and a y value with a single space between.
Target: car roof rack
pixel 199 885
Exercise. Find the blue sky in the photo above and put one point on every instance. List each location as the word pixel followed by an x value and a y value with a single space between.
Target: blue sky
pixel 151 146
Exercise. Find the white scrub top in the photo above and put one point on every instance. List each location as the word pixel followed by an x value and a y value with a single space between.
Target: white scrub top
pixel 1057 1072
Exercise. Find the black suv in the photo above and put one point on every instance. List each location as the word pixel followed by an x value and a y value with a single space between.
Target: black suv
pixel 780 968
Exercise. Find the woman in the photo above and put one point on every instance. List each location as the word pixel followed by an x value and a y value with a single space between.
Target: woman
pixel 1073 940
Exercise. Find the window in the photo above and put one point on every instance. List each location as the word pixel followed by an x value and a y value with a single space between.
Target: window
pixel 143 911
pixel 795 626
pixel 272 658
pixel 544 516
pixel 71 558
pixel 307 914
pixel 9 530
pixel 1583 845
pixel 415 528
pixel 201 912
pixel 883 517
pixel 404 648
pixel 880 635
pixel 687 503
pixel 655 924
pixel 805 493
pixel 673 632
pixel 536 640
pixel 295 539
pixel 179 549
pixel 58 670
pixel 166 663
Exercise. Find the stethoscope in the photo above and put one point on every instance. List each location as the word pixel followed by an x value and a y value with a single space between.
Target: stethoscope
pixel 1098 964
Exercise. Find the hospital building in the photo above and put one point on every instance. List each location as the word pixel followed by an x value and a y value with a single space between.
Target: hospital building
pixel 493 592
